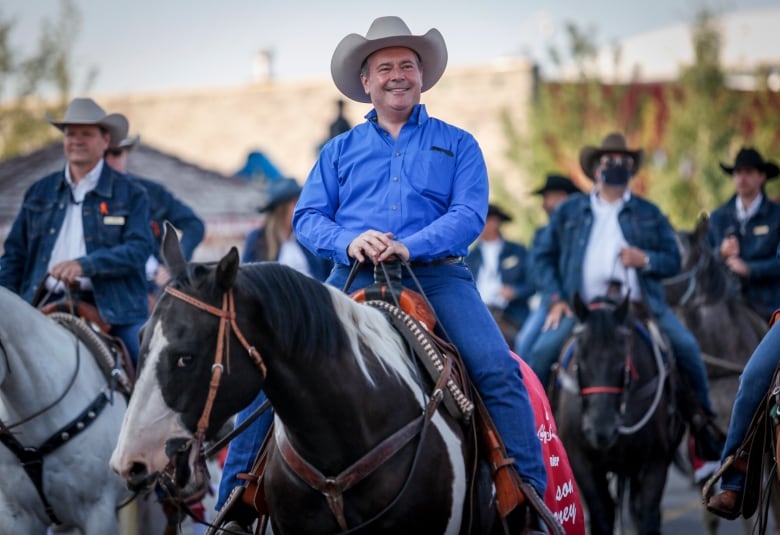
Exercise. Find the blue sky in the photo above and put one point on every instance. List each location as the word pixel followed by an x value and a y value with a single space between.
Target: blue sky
pixel 160 45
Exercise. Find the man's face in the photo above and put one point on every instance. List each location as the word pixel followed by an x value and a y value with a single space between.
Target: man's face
pixel 748 181
pixel 117 158
pixel 615 169
pixel 551 199
pixel 393 79
pixel 85 144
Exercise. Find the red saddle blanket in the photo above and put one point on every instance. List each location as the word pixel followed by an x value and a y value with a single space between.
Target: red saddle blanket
pixel 562 496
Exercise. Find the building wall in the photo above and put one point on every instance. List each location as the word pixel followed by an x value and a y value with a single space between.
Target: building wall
pixel 289 121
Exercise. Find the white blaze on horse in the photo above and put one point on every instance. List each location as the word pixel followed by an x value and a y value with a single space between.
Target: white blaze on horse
pixel 57 416
pixel 340 381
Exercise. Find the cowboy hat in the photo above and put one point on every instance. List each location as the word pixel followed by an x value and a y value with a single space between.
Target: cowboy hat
pixel 86 111
pixel 614 143
pixel 129 143
pixel 280 191
pixel 557 183
pixel 385 32
pixel 495 210
pixel 749 158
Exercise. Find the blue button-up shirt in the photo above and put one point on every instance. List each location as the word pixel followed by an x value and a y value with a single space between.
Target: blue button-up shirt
pixel 115 216
pixel 429 188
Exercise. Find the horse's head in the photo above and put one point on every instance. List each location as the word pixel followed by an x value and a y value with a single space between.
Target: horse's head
pixel 601 358
pixel 188 343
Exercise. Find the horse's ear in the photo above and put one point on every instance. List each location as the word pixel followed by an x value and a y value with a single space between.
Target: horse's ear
pixel 227 269
pixel 171 251
pixel 702 225
pixel 580 308
pixel 621 312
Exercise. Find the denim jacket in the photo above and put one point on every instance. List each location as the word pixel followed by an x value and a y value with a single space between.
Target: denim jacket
pixel 117 235
pixel 560 252
pixel 758 240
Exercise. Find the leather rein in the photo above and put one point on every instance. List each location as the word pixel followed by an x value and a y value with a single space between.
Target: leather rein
pixel 331 487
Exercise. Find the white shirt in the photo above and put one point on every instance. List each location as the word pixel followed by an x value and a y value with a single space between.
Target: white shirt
pixel 602 256
pixel 291 254
pixel 746 212
pixel 70 243
pixel 489 277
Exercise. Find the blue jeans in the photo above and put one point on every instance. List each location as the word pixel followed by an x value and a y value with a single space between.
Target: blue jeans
pixel 461 312
pixel 530 331
pixel 129 335
pixel 754 384
pixel 684 346
pixel 243 448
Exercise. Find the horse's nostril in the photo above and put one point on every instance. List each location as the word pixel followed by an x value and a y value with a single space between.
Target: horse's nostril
pixel 138 470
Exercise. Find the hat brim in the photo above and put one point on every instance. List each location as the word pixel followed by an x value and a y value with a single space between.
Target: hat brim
pixel 589 154
pixel 353 50
pixel 770 169
pixel 115 123
pixel 544 189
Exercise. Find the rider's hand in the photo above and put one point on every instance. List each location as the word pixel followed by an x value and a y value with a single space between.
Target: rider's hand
pixel 67 271
pixel 738 266
pixel 633 257
pixel 729 247
pixel 370 243
pixel 557 311
pixel 394 248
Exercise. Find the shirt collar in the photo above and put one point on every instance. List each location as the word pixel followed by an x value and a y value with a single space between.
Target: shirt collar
pixel 746 212
pixel 418 116
pixel 596 200
pixel 86 184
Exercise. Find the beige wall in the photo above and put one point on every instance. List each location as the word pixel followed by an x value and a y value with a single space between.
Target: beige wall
pixel 288 121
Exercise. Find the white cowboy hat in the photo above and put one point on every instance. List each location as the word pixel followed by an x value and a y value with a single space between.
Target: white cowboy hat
pixel 385 32
pixel 86 111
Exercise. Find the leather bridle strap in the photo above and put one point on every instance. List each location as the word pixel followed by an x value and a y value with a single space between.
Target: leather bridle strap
pixel 227 320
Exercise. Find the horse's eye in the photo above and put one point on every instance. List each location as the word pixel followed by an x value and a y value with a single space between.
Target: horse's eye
pixel 184 361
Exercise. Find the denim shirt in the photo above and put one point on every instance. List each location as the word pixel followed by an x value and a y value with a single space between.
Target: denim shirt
pixel 758 239
pixel 429 188
pixel 163 205
pixel 117 235
pixel 512 263
pixel 560 250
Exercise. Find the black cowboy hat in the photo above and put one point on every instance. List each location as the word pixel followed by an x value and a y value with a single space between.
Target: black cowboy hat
pixel 495 210
pixel 749 158
pixel 557 183
pixel 614 143
pixel 280 191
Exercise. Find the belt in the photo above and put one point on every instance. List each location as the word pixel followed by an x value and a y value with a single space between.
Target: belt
pixel 439 261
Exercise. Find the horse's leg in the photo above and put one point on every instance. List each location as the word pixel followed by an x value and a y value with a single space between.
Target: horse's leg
pixel 599 501
pixel 647 492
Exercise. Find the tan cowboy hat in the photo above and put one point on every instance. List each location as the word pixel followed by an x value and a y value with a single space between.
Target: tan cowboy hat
pixel 613 143
pixel 385 32
pixel 86 111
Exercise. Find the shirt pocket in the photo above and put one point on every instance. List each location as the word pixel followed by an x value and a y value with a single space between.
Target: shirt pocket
pixel 111 225
pixel 39 212
pixel 431 172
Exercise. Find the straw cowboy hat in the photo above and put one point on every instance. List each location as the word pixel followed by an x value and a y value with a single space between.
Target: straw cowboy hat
pixel 86 111
pixel 386 32
pixel 749 158
pixel 612 144
pixel 557 183
pixel 280 191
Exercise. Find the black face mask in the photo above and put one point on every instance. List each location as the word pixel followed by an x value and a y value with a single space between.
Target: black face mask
pixel 615 175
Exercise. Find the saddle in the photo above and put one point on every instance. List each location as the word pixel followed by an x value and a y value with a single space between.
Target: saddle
pixel 410 314
pixel 84 321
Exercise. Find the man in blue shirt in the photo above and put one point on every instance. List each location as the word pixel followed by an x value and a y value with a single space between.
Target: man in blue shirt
pixel 163 206
pixel 612 234
pixel 87 225
pixel 745 232
pixel 404 184
pixel 500 268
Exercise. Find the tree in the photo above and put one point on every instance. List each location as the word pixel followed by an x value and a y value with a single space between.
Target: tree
pixel 46 71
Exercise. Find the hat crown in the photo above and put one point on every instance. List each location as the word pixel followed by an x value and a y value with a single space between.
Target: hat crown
pixel 614 141
pixel 280 191
pixel 387 27
pixel 748 157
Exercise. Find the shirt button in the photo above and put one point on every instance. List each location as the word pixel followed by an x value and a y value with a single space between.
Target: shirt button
pixel 52 231
pixel 394 207
pixel 395 179
pixel 397 153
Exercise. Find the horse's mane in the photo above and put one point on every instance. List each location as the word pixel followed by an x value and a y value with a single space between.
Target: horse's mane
pixel 313 319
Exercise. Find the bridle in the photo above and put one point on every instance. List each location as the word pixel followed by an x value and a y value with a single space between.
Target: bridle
pixel 331 487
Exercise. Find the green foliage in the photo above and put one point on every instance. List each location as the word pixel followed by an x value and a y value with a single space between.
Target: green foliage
pixel 48 70
pixel 685 128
